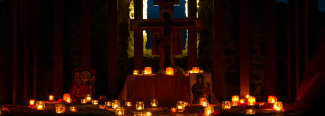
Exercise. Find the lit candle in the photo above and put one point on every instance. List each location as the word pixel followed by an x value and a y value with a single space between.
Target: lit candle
pixel 60 108
pixel 83 101
pixel 190 71
pixel 66 96
pixel 195 69
pixel 278 106
pixel 242 101
pixel 115 103
pixel 108 103
pixel 169 71
pixel 73 109
pixel 88 98
pixel 173 110
pixel 68 100
pixel 147 114
pixel 208 110
pixel 235 100
pixel 201 71
pixel 40 105
pixel 135 72
pixel 180 107
pixel 154 102
pixel 271 99
pixel 128 103
pixel 226 105
pixel 101 106
pixel 119 111
pixel 31 102
pixel 250 111
pixel 205 104
pixel 247 96
pixel 139 105
pixel 95 102
pixel 203 101
pixel 147 71
pixel 251 100
pixel 51 97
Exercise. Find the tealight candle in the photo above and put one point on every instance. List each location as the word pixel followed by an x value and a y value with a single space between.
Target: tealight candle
pixel 73 109
pixel 60 108
pixel 195 69
pixel 190 71
pixel 173 110
pixel 135 72
pixel 154 102
pixel 271 99
pixel 115 103
pixel 226 105
pixel 66 96
pixel 147 71
pixel 68 100
pixel 88 98
pixel 147 114
pixel 31 102
pixel 235 100
pixel 108 103
pixel 83 101
pixel 101 106
pixel 278 106
pixel 169 71
pixel 139 105
pixel 40 105
pixel 203 101
pixel 51 97
pixel 247 96
pixel 208 110
pixel 119 111
pixel 128 103
pixel 251 100
pixel 95 102
pixel 242 101
pixel 250 111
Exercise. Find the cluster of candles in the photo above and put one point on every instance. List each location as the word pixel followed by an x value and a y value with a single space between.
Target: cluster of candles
pixel 169 71
pixel 208 108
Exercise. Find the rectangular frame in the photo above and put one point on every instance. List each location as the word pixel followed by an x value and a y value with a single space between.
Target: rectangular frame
pixel 200 90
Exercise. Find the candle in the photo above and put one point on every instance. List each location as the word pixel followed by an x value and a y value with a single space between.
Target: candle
pixel 250 111
pixel 235 100
pixel 95 102
pixel 83 101
pixel 226 105
pixel 203 101
pixel 68 100
pixel 190 71
pixel 139 105
pixel 173 110
pixel 147 114
pixel 73 109
pixel 101 106
pixel 128 103
pixel 51 97
pixel 169 71
pixel 135 72
pixel 251 100
pixel 40 105
pixel 271 99
pixel 154 102
pixel 247 96
pixel 147 71
pixel 208 110
pixel 278 106
pixel 115 103
pixel 195 69
pixel 31 102
pixel 119 111
pixel 60 108
pixel 88 98
pixel 108 103
pixel 242 101
pixel 66 96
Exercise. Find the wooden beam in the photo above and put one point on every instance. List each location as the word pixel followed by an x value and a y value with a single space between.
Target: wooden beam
pixel 58 48
pixel 244 48
pixel 218 73
pixel 270 69
pixel 112 49
pixel 86 34
pixel 138 37
pixel 192 37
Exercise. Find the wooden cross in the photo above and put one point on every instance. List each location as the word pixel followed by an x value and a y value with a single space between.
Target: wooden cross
pixel 156 26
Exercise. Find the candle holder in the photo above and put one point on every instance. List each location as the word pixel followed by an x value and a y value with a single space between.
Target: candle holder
pixel 208 110
pixel 250 112
pixel 128 104
pixel 40 105
pixel 119 111
pixel 66 96
pixel 88 98
pixel 73 109
pixel 180 106
pixel 203 101
pixel 60 108
pixel 139 105
pixel 251 100
pixel 95 102
pixel 195 69
pixel 115 103
pixel 169 71
pixel 271 99
pixel 31 102
pixel 235 100
pixel 147 114
pixel 51 97
pixel 108 103
pixel 147 71
pixel 68 100
pixel 173 110
pixel 154 102
pixel 278 106
pixel 226 105
pixel 83 101
pixel 101 106
pixel 135 72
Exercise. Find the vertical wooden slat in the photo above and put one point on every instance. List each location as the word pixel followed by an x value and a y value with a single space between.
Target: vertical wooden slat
pixel 270 69
pixel 192 37
pixel 35 51
pixel 244 48
pixel 218 51
pixel 14 77
pixel 25 27
pixel 86 34
pixel 58 48
pixel 112 49
pixel 138 38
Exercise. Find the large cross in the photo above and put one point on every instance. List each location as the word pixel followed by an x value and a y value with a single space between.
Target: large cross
pixel 156 26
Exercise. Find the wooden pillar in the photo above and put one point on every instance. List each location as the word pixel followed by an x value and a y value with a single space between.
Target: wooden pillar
pixel 112 49
pixel 244 47
pixel 58 48
pixel 33 84
pixel 218 51
pixel 14 63
pixel 270 69
pixel 192 37
pixel 138 37
pixel 24 8
pixel 86 34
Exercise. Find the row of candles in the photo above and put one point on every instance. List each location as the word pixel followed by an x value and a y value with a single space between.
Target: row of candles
pixel 169 71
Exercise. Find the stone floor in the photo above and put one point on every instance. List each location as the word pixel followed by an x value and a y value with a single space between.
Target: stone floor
pixel 93 110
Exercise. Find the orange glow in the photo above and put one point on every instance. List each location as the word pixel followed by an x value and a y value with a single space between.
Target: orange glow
pixel 31 102
pixel 66 96
pixel 242 101
pixel 271 99
pixel 195 69
pixel 235 100
pixel 169 71
pixel 51 97
pixel 251 100
pixel 135 72
pixel 173 110
pixel 147 71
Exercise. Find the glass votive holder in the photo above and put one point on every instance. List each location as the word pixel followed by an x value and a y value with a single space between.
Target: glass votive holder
pixel 73 109
pixel 154 102
pixel 88 98
pixel 195 69
pixel 173 110
pixel 135 72
pixel 108 103
pixel 95 102
pixel 147 71
pixel 40 105
pixel 235 100
pixel 278 106
pixel 31 102
pixel 147 114
pixel 139 105
pixel 128 104
pixel 119 111
pixel 208 110
pixel 251 100
pixel 59 108
pixel 83 101
pixel 226 105
pixel 169 71
pixel 271 99
pixel 250 112
pixel 115 103
pixel 101 106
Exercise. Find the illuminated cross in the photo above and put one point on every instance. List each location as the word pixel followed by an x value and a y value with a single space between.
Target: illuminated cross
pixel 160 30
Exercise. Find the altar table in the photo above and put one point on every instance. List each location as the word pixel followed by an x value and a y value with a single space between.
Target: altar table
pixel 167 89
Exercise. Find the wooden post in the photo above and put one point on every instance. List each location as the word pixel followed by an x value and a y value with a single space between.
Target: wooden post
pixel 244 48
pixel 218 51
pixel 25 28
pixel 58 49
pixel 270 72
pixel 34 82
pixel 138 38
pixel 86 34
pixel 112 49
pixel 192 37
